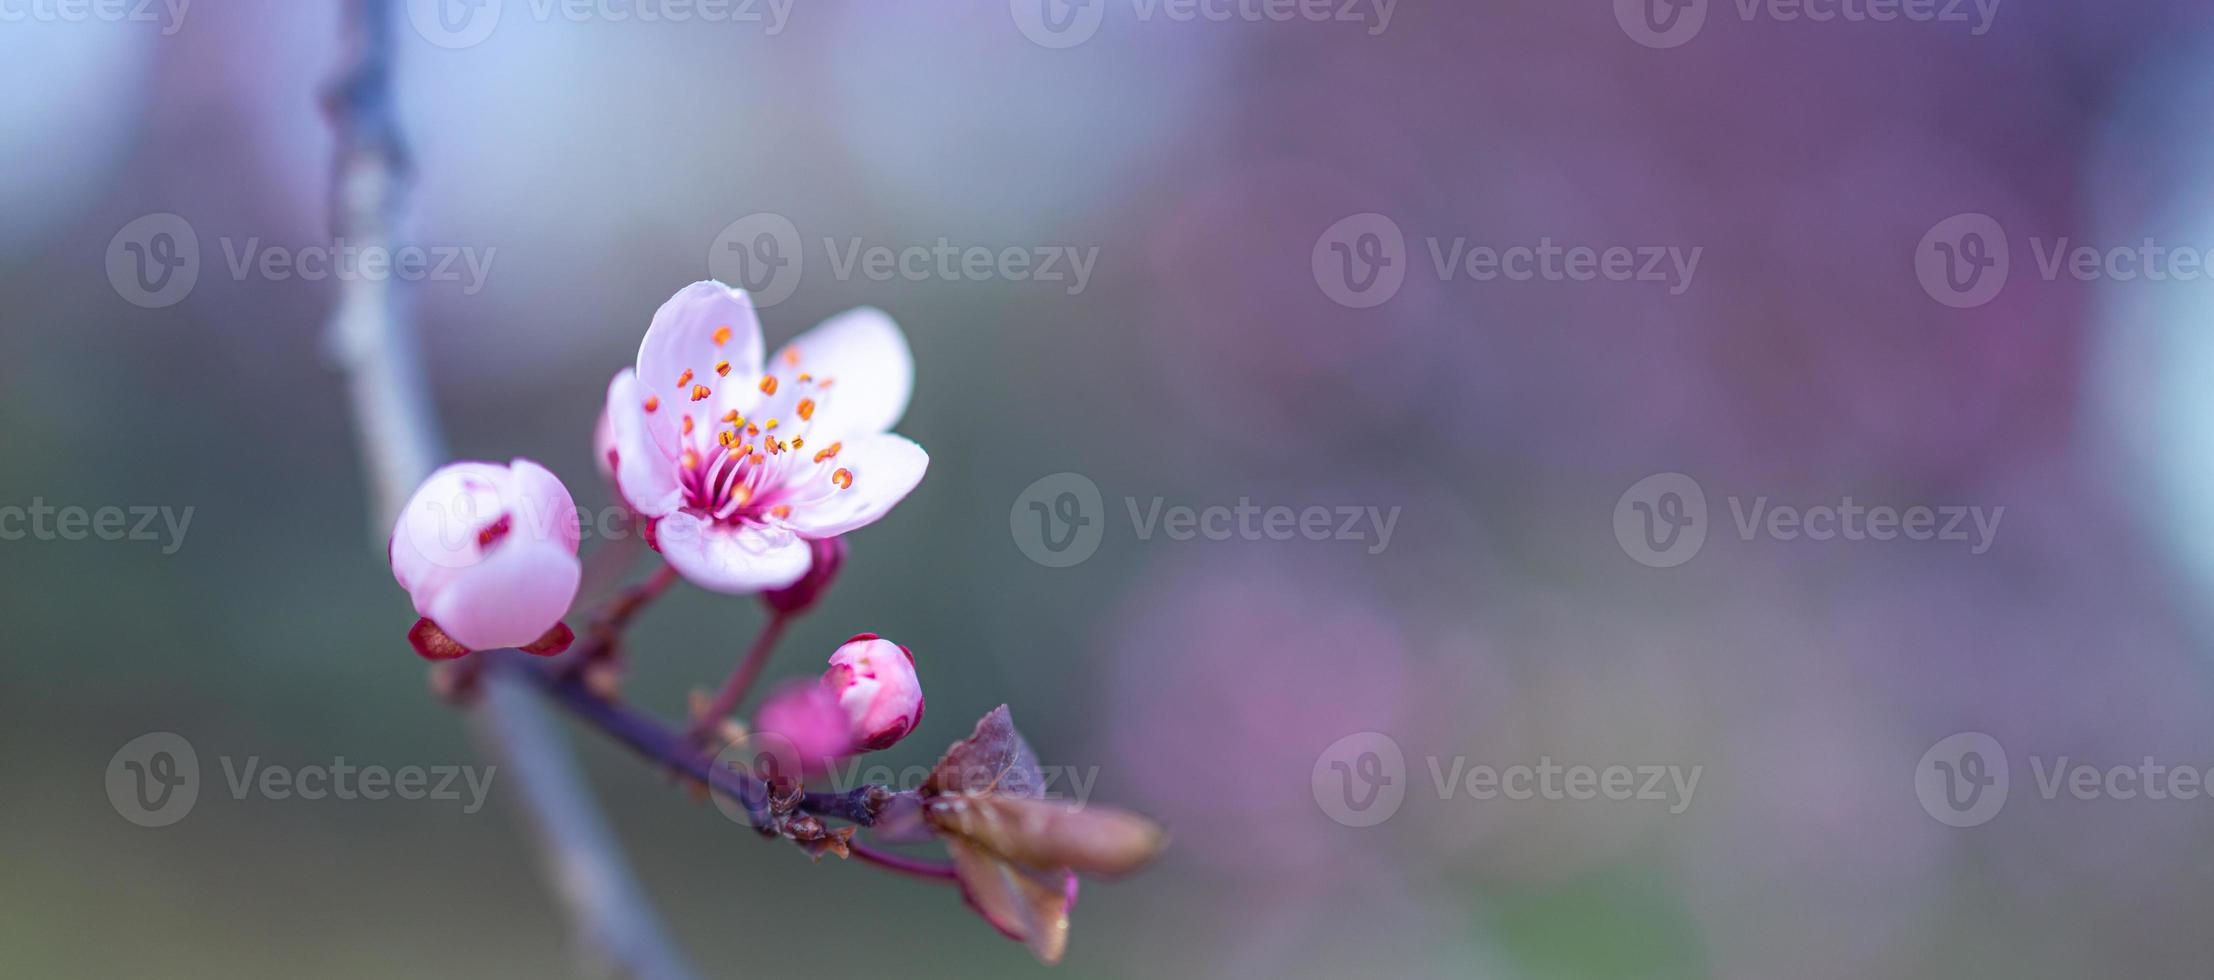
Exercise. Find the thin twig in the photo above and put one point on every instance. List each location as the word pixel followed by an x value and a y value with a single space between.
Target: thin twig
pixel 741 677
pixel 372 342
pixel 680 753
pixel 910 866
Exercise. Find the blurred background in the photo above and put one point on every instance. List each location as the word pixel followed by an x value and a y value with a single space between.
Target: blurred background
pixel 1277 203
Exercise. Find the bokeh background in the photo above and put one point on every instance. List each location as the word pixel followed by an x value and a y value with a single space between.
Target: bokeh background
pixel 597 159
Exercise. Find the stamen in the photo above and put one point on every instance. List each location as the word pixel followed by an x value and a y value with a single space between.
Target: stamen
pixel 731 418
pixel 728 438
pixel 798 442
pixel 722 336
pixel 806 405
pixel 824 454
pixel 768 384
pixel 691 460
pixel 685 378
pixel 699 392
pixel 769 425
pixel 781 511
pixel 722 369
pixel 843 478
pixel 792 356
pixel 653 403
pixel 687 425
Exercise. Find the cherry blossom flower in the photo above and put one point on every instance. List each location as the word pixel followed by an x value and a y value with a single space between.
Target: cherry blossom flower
pixel 874 679
pixel 489 555
pixel 740 462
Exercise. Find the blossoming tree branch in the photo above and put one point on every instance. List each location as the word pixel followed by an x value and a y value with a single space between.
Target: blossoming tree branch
pixel 745 472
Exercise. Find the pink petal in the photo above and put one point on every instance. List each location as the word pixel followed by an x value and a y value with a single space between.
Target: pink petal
pixel 885 468
pixel 645 474
pixel 731 558
pixel 679 356
pixel 539 505
pixel 511 598
pixel 863 352
pixel 436 536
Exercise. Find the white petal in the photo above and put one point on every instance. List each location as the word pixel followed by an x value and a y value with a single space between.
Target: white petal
pixel 680 347
pixel 436 534
pixel 511 598
pixel 731 558
pixel 885 469
pixel 863 352
pixel 645 473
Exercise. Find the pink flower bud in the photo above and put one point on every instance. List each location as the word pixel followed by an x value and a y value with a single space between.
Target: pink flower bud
pixel 489 555
pixel 798 731
pixel 875 682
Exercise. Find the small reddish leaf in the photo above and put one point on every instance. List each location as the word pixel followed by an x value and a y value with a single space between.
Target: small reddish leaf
pixel 554 641
pixel 993 759
pixel 1028 905
pixel 1052 833
pixel 433 643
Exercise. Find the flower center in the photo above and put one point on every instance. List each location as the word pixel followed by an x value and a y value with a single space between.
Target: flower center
pixel 734 467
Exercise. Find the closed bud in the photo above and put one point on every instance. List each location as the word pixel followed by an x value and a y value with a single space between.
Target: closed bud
pixel 874 680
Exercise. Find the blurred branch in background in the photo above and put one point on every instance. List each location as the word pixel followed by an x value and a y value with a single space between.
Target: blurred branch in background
pixel 400 445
